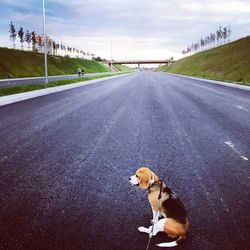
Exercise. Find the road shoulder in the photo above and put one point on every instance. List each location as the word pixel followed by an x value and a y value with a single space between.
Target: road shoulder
pixel 227 84
pixel 41 92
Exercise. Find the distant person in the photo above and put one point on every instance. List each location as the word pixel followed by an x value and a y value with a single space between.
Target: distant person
pixel 82 72
pixel 79 71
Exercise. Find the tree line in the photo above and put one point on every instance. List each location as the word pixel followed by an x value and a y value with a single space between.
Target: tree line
pixel 31 38
pixel 222 35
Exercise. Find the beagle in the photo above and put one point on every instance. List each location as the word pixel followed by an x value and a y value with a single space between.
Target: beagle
pixel 164 203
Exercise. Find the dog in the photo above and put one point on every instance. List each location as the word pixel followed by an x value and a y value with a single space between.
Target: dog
pixel 164 203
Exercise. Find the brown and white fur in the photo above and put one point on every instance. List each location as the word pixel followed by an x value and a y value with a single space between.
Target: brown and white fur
pixel 175 222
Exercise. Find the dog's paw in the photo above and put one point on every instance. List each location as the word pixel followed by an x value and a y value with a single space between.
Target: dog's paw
pixel 143 230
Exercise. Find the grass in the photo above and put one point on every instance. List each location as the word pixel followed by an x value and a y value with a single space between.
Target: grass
pixel 230 62
pixel 17 63
pixel 121 67
pixel 31 87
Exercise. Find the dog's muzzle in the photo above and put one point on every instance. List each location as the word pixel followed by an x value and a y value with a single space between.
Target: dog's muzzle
pixel 133 180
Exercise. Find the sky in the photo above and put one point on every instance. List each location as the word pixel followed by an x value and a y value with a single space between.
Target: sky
pixel 137 29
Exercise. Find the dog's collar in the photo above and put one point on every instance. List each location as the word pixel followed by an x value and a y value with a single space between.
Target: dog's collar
pixel 154 183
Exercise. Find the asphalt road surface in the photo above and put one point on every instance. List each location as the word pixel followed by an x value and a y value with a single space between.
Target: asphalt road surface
pixel 66 159
pixel 37 80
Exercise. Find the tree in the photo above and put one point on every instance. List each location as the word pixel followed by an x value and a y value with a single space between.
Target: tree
pixel 98 58
pixel 27 38
pixel 33 39
pixel 192 47
pixel 40 42
pixel 202 43
pixel 196 46
pixel 210 40
pixel 21 36
pixel 229 31
pixel 219 35
pixel 54 47
pixel 12 33
pixel 49 45
pixel 225 34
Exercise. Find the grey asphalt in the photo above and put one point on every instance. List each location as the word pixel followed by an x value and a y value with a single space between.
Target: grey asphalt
pixel 37 80
pixel 66 159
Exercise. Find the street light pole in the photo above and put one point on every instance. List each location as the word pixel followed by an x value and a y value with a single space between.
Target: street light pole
pixel 111 54
pixel 45 46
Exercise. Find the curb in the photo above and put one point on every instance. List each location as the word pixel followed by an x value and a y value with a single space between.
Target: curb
pixel 5 100
pixel 9 82
pixel 29 78
pixel 42 77
pixel 227 84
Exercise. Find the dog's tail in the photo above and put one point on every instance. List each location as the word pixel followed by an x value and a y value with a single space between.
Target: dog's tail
pixel 172 243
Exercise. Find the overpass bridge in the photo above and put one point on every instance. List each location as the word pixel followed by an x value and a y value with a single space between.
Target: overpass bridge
pixel 139 62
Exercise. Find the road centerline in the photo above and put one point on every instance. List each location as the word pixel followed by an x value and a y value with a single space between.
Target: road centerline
pixel 231 145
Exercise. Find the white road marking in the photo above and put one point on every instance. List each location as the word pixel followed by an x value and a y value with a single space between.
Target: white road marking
pixel 241 108
pixel 244 158
pixel 231 145
pixel 224 204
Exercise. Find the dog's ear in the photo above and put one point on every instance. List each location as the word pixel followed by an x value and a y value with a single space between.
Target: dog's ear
pixel 144 178
pixel 155 177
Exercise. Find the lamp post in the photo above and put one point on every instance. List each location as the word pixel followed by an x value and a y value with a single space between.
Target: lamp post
pixel 111 53
pixel 45 46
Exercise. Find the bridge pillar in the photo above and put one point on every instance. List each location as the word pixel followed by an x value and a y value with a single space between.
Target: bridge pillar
pixel 138 65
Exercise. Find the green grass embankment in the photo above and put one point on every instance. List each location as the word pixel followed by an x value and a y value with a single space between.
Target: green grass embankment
pixel 31 87
pixel 230 62
pixel 16 63
pixel 121 67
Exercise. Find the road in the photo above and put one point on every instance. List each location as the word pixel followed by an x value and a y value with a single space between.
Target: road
pixel 37 80
pixel 66 159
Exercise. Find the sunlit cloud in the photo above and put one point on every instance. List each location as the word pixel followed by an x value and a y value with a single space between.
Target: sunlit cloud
pixel 141 29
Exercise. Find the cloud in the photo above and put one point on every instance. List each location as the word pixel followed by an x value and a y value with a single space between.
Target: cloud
pixel 143 28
